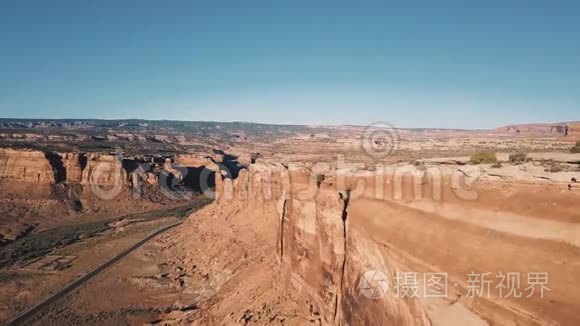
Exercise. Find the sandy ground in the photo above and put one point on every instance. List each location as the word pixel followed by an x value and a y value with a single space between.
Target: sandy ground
pixel 23 288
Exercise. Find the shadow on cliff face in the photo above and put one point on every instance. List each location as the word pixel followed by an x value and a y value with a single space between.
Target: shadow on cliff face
pixel 130 165
pixel 229 164
pixel 83 161
pixel 188 179
pixel 57 165
pixel 197 178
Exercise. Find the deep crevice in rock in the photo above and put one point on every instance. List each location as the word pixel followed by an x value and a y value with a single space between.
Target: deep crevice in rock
pixel 57 165
pixel 344 215
pixel 130 165
pixel 229 164
pixel 83 161
pixel 283 217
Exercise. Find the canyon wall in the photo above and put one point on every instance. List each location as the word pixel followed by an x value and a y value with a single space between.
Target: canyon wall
pixel 26 165
pixel 97 168
pixel 331 236
pixel 103 170
pixel 41 186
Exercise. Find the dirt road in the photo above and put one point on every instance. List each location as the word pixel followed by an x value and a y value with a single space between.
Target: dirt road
pixel 34 311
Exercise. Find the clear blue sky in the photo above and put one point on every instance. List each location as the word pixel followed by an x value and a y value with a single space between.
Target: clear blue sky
pixel 472 64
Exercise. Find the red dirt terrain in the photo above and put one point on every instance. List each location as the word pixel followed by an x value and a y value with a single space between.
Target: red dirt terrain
pixel 299 226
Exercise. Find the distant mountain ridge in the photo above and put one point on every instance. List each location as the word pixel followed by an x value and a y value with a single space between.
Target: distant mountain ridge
pixel 570 129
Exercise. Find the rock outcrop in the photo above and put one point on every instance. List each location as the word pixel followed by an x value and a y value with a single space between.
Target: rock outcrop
pixel 26 165
pixel 103 170
pixel 74 163
pixel 331 238
pixel 562 129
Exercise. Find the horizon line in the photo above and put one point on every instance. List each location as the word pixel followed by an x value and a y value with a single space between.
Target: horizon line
pixel 287 124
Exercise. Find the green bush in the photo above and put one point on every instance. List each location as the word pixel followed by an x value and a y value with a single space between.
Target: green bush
pixel 483 157
pixel 576 148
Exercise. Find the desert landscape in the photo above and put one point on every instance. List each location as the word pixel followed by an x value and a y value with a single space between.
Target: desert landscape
pixel 344 163
pixel 169 222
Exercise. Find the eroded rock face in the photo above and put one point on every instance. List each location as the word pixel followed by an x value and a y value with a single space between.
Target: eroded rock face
pixel 564 129
pixel 103 170
pixel 328 238
pixel 319 257
pixel 74 164
pixel 558 129
pixel 192 160
pixel 26 165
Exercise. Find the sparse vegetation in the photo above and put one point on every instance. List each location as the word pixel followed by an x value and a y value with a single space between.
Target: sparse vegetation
pixel 556 167
pixel 576 148
pixel 483 157
pixel 38 244
pixel 319 179
pixel 553 167
pixel 420 165
pixel 518 158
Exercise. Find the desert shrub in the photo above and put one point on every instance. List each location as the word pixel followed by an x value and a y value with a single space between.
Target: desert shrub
pixel 518 157
pixel 496 165
pixel 319 179
pixel 576 148
pixel 483 157
pixel 419 165
pixel 556 167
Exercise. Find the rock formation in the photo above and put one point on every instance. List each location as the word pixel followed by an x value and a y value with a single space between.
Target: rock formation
pixel 103 170
pixel 317 240
pixel 97 168
pixel 561 129
pixel 74 163
pixel 26 165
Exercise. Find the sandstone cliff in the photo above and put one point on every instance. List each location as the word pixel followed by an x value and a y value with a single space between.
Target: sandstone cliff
pixel 39 185
pixel 74 164
pixel 96 168
pixel 280 244
pixel 26 165
pixel 103 170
